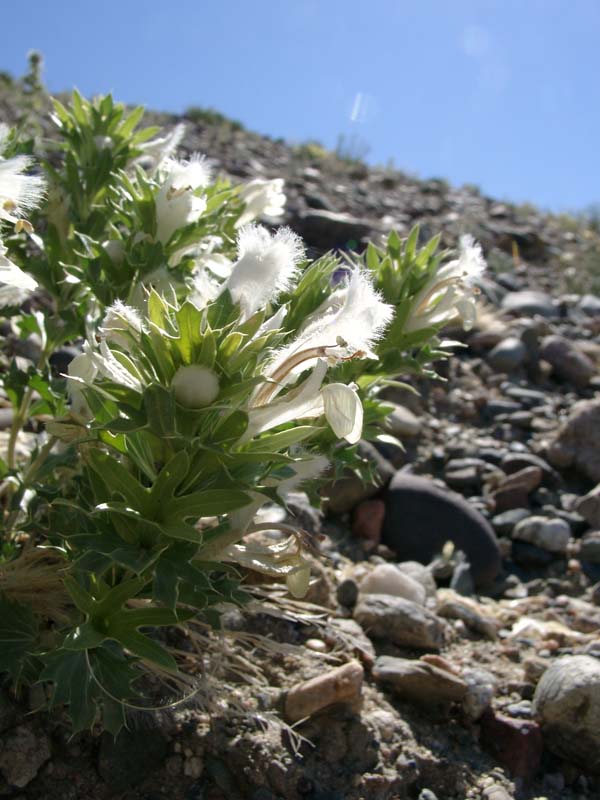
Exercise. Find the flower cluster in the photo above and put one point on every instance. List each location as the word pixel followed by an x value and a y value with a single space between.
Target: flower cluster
pixel 218 370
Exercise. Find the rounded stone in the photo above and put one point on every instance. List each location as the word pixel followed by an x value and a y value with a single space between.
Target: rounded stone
pixel 507 355
pixel 549 534
pixel 420 518
pixel 567 705
pixel 388 579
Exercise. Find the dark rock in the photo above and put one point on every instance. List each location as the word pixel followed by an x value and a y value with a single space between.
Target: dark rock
pixel 504 523
pixel 507 355
pixel 420 518
pixel 347 593
pixel 513 462
pixel 529 555
pixel 568 362
pixel 513 490
pixel 589 548
pixel 329 230
pixel 494 408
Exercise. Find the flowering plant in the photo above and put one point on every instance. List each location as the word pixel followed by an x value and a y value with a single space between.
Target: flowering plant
pixel 213 369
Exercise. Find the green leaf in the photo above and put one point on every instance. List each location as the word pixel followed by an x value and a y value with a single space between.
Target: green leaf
pixel 208 503
pixel 73 685
pixel 284 439
pixel 189 320
pixel 118 480
pixel 170 477
pixel 160 409
pixel 140 645
pixel 18 635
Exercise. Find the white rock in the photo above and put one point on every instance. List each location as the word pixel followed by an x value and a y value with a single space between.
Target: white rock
pixel 549 534
pixel 389 579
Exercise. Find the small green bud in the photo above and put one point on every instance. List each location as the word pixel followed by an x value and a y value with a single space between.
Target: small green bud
pixel 195 386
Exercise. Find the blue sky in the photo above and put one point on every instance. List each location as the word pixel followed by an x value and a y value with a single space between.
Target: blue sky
pixel 501 93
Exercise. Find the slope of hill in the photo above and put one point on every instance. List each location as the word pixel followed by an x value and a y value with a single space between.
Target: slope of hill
pixel 443 694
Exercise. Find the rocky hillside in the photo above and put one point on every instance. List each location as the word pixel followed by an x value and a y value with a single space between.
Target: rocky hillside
pixel 450 644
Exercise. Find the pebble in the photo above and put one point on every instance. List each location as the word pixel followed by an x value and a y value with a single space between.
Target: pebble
pixel 577 442
pixel 419 681
pixel 504 523
pixel 400 621
pixel 420 573
pixel 549 534
pixel 567 704
pixel 515 743
pixel 523 709
pixel 452 606
pixel 507 355
pixel 567 360
pixel 481 687
pixel 589 507
pixel 528 302
pixel 340 685
pixel 347 593
pixel 317 645
pixel 401 421
pixel 389 579
pixel 589 547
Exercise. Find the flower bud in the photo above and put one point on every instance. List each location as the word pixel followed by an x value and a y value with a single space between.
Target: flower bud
pixel 195 386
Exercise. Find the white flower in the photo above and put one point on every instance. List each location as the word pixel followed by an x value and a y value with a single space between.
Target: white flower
pixel 347 325
pixel 451 292
pixel 121 324
pixel 112 368
pixel 203 288
pixel 195 386
pixel 157 151
pixel 15 285
pixel 177 202
pixel 266 267
pixel 261 197
pixel 339 403
pixel 343 410
pixel 19 193
pixel 82 370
